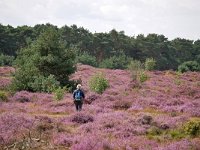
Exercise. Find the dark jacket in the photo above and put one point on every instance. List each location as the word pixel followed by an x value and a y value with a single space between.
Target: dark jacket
pixel 82 94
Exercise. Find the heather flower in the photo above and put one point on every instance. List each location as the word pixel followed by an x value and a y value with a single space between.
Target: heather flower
pixel 82 118
pixel 13 125
pixel 4 82
pixel 122 104
pixel 22 96
pixel 63 139
pixel 180 145
pixel 92 142
pixel 91 98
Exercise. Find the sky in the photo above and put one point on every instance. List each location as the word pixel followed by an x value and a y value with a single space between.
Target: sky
pixel 172 18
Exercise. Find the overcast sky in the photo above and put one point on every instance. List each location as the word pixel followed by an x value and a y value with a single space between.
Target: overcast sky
pixel 172 18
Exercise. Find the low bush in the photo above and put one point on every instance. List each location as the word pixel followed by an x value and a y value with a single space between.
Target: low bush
pixel 142 76
pixel 42 84
pixel 137 71
pixel 82 118
pixel 3 96
pixel 176 134
pixel 135 68
pixel 122 104
pixel 98 83
pixel 153 131
pixel 150 64
pixel 189 66
pixel 59 93
pixel 22 96
pixel 192 128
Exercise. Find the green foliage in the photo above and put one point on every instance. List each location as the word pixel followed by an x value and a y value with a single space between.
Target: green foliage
pixel 87 59
pixel 150 64
pixel 44 64
pixel 98 83
pixel 189 66
pixel 24 77
pixel 3 96
pixel 6 60
pixel 59 93
pixel 135 68
pixel 45 84
pixel 176 134
pixel 137 71
pixel 177 81
pixel 192 128
pixel 168 54
pixel 142 76
pixel 153 131
pixel 115 62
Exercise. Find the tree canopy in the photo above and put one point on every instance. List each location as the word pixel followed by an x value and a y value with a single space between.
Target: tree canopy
pixel 103 46
pixel 45 59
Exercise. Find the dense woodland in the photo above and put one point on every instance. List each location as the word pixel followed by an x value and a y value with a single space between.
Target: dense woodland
pixel 102 47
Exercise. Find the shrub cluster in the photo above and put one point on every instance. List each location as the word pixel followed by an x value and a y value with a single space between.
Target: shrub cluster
pixel 150 64
pixel 98 83
pixel 122 104
pixel 87 59
pixel 6 60
pixel 82 118
pixel 192 128
pixel 3 96
pixel 59 93
pixel 137 69
pixel 115 62
pixel 189 66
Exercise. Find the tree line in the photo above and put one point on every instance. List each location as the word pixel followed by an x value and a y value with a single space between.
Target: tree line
pixel 113 49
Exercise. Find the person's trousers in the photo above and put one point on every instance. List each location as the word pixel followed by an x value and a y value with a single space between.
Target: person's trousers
pixel 78 105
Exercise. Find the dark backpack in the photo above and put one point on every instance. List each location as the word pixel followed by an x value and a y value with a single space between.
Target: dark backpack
pixel 78 95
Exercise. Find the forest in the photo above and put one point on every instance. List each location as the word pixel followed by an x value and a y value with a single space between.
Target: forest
pixel 112 50
pixel 142 92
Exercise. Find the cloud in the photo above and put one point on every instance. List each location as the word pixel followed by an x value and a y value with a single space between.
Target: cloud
pixel 173 18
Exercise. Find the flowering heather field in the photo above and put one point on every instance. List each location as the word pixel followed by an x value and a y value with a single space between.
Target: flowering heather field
pixel 127 116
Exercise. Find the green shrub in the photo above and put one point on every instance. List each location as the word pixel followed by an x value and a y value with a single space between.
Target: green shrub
pixel 150 64
pixel 6 60
pixel 135 68
pixel 98 83
pixel 87 59
pixel 59 93
pixel 142 77
pixel 42 84
pixel 189 66
pixel 24 77
pixel 3 96
pixel 192 128
pixel 115 62
pixel 153 131
pixel 176 134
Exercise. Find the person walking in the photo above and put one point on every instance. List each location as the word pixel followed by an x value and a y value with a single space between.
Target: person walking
pixel 78 96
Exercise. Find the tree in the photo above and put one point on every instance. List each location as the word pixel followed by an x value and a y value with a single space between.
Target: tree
pixel 197 51
pixel 184 50
pixel 45 57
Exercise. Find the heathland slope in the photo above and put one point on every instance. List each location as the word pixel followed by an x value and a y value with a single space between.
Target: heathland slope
pixel 151 115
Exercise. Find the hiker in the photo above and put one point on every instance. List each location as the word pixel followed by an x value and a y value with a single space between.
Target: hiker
pixel 78 97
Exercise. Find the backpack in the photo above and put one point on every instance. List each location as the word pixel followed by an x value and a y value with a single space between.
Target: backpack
pixel 78 95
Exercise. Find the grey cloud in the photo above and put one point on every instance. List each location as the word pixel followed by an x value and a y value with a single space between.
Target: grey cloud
pixel 173 18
